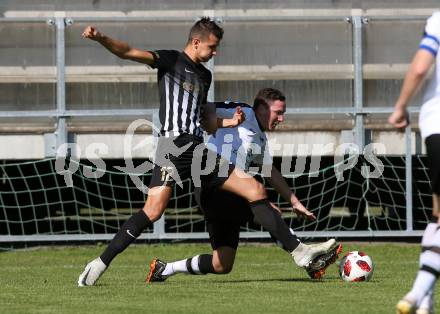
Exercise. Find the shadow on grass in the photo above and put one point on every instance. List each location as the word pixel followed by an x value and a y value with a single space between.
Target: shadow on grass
pixel 276 280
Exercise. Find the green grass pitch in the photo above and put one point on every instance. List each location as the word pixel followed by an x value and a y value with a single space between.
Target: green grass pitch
pixel 264 280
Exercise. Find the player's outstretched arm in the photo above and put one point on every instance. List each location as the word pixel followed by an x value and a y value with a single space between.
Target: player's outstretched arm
pixel 119 48
pixel 211 122
pixel 236 120
pixel 417 72
pixel 278 182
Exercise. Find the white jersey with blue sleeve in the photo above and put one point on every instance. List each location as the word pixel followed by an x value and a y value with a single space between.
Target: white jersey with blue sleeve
pixel 242 145
pixel 430 113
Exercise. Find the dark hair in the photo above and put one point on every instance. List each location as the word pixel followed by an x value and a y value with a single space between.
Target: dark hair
pixel 203 28
pixel 267 95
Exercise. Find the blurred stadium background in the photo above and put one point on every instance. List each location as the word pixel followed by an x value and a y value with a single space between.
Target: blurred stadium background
pixel 340 64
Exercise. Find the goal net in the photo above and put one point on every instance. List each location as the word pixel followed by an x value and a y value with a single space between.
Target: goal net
pixel 37 204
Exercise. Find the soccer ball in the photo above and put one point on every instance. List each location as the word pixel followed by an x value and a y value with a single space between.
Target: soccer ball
pixel 356 266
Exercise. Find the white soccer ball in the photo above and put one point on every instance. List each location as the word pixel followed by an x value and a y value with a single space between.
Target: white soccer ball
pixel 356 266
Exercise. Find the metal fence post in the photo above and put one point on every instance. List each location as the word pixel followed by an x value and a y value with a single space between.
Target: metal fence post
pixel 211 92
pixel 61 129
pixel 211 66
pixel 159 225
pixel 359 132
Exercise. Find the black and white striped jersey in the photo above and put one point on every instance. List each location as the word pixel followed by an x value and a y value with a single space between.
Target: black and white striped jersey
pixel 183 89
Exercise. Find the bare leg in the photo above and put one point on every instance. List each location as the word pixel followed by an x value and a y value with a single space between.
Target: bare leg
pixel 244 185
pixel 436 206
pixel 157 201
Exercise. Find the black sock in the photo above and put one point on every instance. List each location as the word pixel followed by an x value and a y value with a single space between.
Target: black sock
pixel 270 219
pixel 129 231
pixel 205 264
pixel 278 243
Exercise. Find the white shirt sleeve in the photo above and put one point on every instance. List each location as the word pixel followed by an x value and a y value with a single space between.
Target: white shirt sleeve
pixel 431 37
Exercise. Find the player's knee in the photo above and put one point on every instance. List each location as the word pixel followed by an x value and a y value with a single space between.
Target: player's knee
pixel 222 268
pixel 154 210
pixel 258 192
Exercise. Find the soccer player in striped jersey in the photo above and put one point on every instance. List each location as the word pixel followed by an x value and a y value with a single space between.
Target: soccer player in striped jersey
pixel 242 147
pixel 183 84
pixel 420 299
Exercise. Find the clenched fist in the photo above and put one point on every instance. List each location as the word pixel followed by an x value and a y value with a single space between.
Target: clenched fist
pixel 92 33
pixel 238 117
pixel 399 118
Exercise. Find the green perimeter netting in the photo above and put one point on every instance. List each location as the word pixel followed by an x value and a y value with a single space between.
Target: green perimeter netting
pixel 34 199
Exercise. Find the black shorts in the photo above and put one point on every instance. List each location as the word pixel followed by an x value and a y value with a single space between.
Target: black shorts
pixel 215 178
pixel 223 234
pixel 186 156
pixel 433 150
pixel 173 159
pixel 224 212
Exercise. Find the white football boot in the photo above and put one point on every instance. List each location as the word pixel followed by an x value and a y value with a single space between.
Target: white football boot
pixel 304 254
pixel 406 306
pixel 327 245
pixel 91 273
pixel 427 304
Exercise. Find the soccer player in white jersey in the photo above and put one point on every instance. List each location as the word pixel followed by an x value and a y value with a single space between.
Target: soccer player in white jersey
pixel 241 147
pixel 420 299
